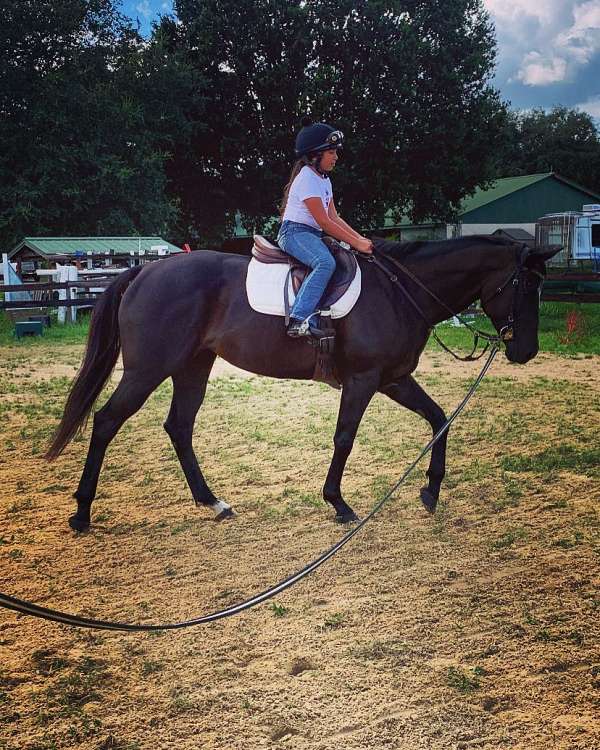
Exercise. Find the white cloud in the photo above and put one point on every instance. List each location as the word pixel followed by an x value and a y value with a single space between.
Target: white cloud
pixel 543 42
pixel 144 9
pixel 582 39
pixel 537 70
pixel 519 9
pixel 591 106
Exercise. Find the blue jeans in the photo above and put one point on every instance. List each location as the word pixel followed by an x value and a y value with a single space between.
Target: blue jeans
pixel 304 243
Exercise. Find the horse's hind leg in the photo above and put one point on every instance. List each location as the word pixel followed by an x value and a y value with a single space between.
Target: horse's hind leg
pixel 407 392
pixel 129 396
pixel 189 387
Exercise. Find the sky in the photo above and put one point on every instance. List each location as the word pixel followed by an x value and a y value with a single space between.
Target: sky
pixel 548 50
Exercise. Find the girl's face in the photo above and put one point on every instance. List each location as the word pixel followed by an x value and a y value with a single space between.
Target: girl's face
pixel 329 159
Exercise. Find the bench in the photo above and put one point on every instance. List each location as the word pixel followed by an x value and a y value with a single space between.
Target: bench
pixel 44 319
pixel 28 328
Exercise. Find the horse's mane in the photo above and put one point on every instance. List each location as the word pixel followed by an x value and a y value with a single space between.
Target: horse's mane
pixel 430 248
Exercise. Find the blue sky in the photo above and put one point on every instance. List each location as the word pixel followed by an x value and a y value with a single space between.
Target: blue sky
pixel 548 50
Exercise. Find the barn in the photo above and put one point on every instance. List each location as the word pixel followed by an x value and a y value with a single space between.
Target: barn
pixel 44 252
pixel 510 203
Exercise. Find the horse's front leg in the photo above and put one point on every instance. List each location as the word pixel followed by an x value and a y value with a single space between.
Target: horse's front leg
pixel 357 392
pixel 407 392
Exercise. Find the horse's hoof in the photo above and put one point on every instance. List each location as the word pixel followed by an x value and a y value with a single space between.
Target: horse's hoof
pixel 346 517
pixel 78 525
pixel 428 500
pixel 224 514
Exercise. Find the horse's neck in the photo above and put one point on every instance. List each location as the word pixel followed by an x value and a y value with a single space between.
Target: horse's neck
pixel 457 277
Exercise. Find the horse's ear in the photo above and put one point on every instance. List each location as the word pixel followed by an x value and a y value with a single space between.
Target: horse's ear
pixel 542 254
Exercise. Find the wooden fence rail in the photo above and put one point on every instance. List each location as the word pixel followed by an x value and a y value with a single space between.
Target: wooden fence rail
pixel 45 289
pixel 50 286
pixel 36 303
pixel 568 297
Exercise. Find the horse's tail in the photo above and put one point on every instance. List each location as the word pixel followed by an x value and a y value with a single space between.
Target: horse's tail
pixel 102 351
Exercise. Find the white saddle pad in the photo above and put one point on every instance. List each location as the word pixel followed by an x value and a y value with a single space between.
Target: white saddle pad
pixel 265 283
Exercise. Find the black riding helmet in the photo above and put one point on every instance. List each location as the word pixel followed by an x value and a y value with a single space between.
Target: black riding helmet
pixel 317 136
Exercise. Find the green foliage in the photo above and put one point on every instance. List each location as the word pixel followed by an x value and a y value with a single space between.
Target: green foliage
pixel 104 133
pixel 563 140
pixel 72 333
pixel 88 117
pixel 408 83
pixel 508 538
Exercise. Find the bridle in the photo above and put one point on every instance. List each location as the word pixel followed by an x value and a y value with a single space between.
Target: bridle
pixel 507 331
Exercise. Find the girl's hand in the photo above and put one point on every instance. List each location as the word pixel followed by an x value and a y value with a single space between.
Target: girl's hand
pixel 363 245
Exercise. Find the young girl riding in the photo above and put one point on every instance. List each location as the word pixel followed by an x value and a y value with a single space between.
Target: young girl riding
pixel 308 211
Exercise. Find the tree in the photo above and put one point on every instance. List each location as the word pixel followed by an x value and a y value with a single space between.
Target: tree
pixel 562 140
pixel 84 139
pixel 408 82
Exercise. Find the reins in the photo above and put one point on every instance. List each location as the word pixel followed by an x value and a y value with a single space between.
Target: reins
pixel 505 334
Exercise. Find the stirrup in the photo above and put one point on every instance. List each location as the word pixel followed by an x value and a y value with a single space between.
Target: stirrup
pixel 303 328
pixel 298 329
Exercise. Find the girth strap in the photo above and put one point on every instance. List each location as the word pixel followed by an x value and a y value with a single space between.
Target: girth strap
pixel 286 296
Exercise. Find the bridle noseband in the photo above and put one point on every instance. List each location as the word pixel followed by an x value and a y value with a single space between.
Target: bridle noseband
pixel 507 332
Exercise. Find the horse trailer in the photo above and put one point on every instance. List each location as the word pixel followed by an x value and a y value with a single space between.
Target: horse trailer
pixel 577 232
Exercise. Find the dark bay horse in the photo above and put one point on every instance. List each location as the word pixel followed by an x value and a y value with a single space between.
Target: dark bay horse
pixel 171 319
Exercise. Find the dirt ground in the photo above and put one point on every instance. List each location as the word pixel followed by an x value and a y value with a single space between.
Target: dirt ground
pixel 474 628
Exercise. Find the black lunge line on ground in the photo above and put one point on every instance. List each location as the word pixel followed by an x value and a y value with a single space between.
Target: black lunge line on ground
pixel 27 608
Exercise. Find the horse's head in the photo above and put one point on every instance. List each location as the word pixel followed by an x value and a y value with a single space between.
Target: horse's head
pixel 512 301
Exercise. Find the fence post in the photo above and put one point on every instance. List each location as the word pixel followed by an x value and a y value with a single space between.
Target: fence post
pixel 62 294
pixel 69 310
pixel 73 275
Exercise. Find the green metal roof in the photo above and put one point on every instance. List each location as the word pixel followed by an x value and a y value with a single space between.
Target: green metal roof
pixel 71 245
pixel 499 189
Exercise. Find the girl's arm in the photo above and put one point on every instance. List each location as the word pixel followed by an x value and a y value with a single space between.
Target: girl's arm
pixel 335 229
pixel 334 216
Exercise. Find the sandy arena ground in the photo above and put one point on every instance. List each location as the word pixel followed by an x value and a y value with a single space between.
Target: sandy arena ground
pixel 475 628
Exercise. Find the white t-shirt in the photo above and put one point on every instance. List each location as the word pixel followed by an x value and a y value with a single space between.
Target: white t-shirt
pixel 307 184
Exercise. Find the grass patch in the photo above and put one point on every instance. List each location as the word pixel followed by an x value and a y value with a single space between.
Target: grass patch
pixel 46 662
pixel 556 458
pixel 334 621
pixel 394 651
pixel 464 681
pixel 70 333
pixel 71 692
pixel 151 667
pixel 278 610
pixel 552 331
pixel 508 539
